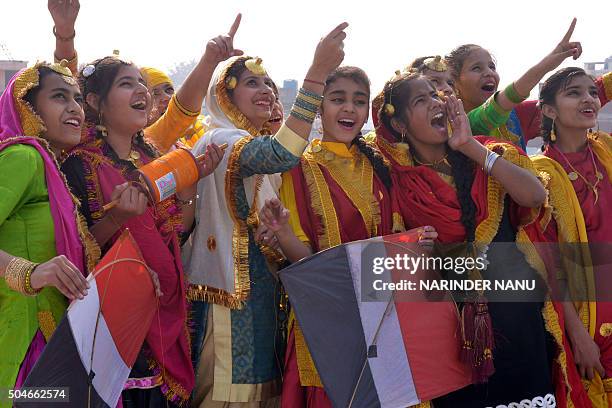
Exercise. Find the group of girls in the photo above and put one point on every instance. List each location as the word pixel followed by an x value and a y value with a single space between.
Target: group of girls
pixel 70 141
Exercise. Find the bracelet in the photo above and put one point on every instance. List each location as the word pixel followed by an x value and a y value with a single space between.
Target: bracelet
pixel 18 276
pixel 513 95
pixel 306 106
pixel 70 61
pixel 307 93
pixel 65 39
pixel 314 82
pixel 28 281
pixel 187 202
pixel 490 160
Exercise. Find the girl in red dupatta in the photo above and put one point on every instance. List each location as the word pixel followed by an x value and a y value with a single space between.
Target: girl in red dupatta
pixel 339 193
pixel 440 182
pixel 98 171
pixel 579 164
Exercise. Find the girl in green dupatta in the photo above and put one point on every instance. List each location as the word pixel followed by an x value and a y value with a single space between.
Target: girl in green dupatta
pixel 44 251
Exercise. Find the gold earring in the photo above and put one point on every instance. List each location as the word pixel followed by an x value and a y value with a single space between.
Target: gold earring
pixel 553 135
pixel 100 127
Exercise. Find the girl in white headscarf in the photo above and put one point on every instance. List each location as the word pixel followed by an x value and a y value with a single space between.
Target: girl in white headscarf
pixel 235 296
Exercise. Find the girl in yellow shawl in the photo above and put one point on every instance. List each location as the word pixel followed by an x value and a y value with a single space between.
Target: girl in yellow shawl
pixel 579 164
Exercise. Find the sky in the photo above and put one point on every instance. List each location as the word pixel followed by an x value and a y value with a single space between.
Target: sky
pixel 383 36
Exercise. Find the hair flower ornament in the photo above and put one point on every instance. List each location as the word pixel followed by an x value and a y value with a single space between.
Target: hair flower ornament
pixel 88 71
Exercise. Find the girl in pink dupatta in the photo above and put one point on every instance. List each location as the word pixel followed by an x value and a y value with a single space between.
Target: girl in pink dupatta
pixel 44 252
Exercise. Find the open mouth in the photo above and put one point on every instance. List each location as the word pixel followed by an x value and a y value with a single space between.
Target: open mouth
pixel 263 103
pixel 588 111
pixel 73 122
pixel 275 120
pixel 347 124
pixel 140 105
pixel 488 87
pixel 438 121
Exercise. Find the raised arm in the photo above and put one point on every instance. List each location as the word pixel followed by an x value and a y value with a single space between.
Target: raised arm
pixel 524 187
pixel 282 151
pixel 519 90
pixel 191 94
pixel 64 14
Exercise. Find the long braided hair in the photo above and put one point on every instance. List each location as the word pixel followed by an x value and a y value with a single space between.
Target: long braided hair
pixel 396 93
pixel 375 158
pixel 100 83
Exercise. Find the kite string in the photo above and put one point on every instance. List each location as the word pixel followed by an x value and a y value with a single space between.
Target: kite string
pixel 92 277
pixel 374 340
pixel 93 345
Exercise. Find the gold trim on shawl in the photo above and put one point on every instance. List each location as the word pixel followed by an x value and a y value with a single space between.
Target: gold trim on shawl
pixel 400 152
pixel 309 376
pixel 551 322
pixel 322 204
pixel 31 123
pixel 503 133
pixel 227 106
pixel 571 229
pixel 606 80
pixel 240 234
pixel 46 323
pixel 360 195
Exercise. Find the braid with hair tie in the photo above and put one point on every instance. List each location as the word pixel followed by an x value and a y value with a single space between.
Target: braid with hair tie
pixel 146 147
pixel 462 169
pixel 375 159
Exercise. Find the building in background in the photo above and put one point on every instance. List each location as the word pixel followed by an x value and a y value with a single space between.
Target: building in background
pixel 287 94
pixel 8 68
pixel 605 114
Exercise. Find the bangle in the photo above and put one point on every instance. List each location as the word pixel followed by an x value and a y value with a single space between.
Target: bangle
pixel 306 106
pixel 513 95
pixel 18 276
pixel 65 39
pixel 187 202
pixel 28 281
pixel 490 160
pixel 70 61
pixel 314 82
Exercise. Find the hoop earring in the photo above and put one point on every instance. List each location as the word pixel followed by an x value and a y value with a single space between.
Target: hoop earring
pixel 100 127
pixel 553 135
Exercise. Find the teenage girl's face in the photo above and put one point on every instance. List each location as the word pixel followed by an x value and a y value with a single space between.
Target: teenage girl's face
pixel 441 80
pixel 423 116
pixel 478 79
pixel 345 109
pixel 60 106
pixel 126 105
pixel 577 105
pixel 160 96
pixel 276 119
pixel 254 97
